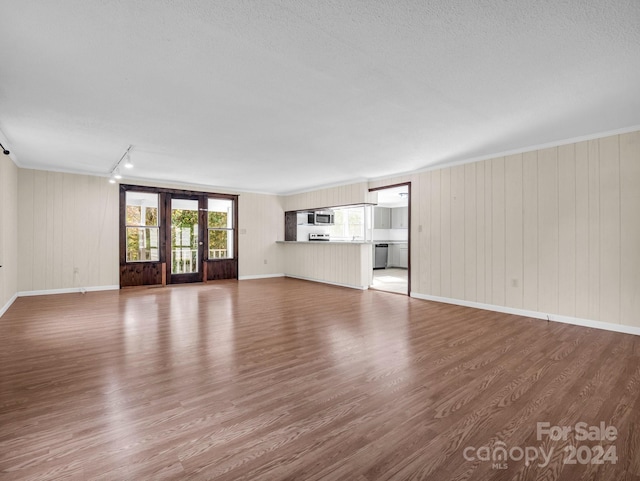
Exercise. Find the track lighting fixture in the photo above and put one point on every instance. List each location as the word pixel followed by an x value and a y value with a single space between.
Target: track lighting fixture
pixel 115 172
pixel 4 151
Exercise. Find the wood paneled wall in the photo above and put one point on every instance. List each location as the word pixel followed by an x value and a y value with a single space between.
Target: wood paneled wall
pixel 69 221
pixel 555 230
pixel 330 197
pixel 8 231
pixel 344 264
pixel 68 231
pixel 260 225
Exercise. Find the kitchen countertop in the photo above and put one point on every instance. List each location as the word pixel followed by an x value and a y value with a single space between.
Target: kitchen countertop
pixel 326 242
pixel 345 242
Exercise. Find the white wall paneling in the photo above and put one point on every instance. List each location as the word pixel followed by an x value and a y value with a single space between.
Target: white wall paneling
pixel 479 241
pixel 420 213
pixel 488 231
pixel 594 230
pixel 470 233
pixel 610 255
pixel 630 229
pixel 513 230
pixel 260 225
pixel 582 229
pixel 530 231
pixel 550 231
pixel 498 232
pixel 457 229
pixel 9 259
pixel 68 231
pixel 435 235
pixel 548 226
pixel 567 230
pixel 445 233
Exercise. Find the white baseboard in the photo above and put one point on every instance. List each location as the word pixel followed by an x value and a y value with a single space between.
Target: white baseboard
pixel 362 288
pixel 607 326
pixel 67 290
pixel 8 304
pixel 259 276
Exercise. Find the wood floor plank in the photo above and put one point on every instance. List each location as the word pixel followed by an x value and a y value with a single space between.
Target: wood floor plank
pixel 286 379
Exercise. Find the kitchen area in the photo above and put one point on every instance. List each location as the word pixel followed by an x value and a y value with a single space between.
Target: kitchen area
pixel 330 245
pixel 362 245
pixel 390 238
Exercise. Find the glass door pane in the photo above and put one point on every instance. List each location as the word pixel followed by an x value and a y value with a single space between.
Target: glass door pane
pixel 184 236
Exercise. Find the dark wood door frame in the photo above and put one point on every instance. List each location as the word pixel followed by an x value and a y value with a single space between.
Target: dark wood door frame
pixel 159 272
pixel 408 185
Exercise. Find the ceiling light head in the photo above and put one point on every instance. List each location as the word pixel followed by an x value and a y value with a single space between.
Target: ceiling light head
pixel 404 195
pixel 128 164
pixel 112 180
pixel 117 174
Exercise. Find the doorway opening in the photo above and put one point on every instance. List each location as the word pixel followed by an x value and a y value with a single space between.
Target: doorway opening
pixel 392 239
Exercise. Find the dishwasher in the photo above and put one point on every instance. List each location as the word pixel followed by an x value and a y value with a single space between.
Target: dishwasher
pixel 380 256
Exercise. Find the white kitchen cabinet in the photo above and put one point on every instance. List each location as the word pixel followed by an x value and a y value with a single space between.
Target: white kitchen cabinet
pixel 403 255
pixel 398 255
pixel 400 218
pixel 381 218
pixel 393 256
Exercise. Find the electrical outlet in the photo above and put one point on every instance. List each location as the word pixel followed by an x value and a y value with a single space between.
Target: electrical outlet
pixel 419 228
pixel 265 261
pixel 514 282
pixel 76 270
pixel 243 231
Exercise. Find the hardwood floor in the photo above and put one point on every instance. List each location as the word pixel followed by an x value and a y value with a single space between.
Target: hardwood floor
pixel 286 379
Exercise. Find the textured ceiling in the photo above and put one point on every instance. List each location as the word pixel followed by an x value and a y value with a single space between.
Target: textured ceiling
pixel 281 96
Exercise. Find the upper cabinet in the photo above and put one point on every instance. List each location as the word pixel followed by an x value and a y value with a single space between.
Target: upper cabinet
pixel 381 218
pixel 386 218
pixel 400 218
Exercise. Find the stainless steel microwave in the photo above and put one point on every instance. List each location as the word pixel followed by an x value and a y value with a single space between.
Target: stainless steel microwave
pixel 321 217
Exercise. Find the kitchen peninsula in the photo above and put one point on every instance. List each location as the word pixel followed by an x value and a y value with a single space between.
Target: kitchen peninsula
pixel 334 249
pixel 347 264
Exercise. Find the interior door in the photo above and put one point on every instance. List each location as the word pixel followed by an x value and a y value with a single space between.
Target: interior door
pixel 185 242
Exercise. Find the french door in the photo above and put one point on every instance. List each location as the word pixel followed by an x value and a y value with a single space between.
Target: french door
pixel 170 236
pixel 185 232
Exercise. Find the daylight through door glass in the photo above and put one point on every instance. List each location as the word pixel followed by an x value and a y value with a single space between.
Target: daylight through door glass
pixel 142 227
pixel 184 236
pixel 220 228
